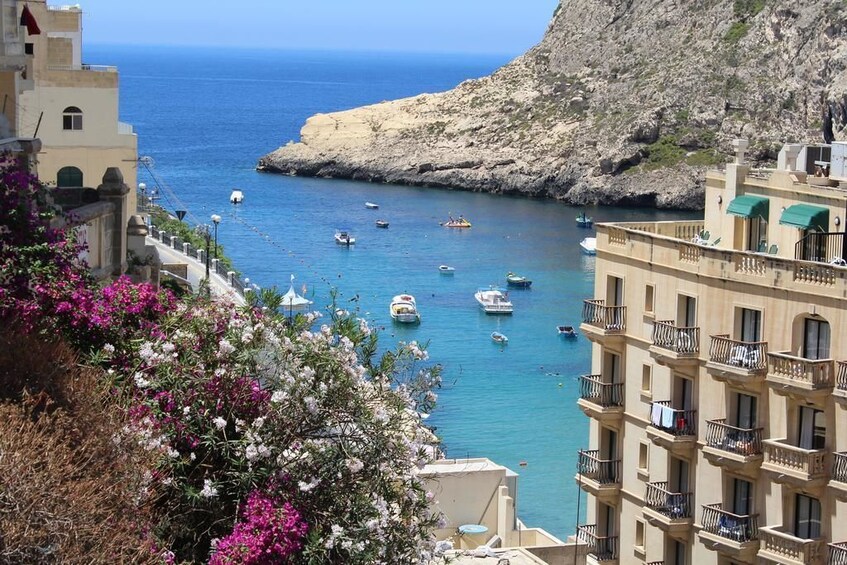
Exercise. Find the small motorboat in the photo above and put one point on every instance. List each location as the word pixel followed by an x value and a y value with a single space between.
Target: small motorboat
pixel 446 269
pixel 497 337
pixel 237 197
pixel 493 301
pixel 583 221
pixel 589 245
pixel 404 309
pixel 382 224
pixel 371 206
pixel 567 331
pixel 516 280
pixel 459 222
pixel 343 237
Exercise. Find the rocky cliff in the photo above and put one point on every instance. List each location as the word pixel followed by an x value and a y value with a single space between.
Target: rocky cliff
pixel 623 102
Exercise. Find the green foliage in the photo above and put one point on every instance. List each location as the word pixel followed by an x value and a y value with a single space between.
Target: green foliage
pixel 664 152
pixel 736 32
pixel 746 9
pixel 167 223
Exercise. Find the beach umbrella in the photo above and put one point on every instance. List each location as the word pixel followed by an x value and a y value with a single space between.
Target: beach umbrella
pixel 293 301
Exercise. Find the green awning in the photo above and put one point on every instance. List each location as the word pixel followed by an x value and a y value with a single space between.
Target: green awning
pixel 806 217
pixel 749 206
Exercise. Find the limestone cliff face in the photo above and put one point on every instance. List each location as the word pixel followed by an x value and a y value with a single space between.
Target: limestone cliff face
pixel 622 102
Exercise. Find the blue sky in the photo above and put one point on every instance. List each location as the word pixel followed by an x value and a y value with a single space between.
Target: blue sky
pixel 472 26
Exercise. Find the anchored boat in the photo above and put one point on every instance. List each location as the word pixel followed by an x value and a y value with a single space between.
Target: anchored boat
pixel 589 245
pixel 343 237
pixel 513 279
pixel 497 337
pixel 404 309
pixel 493 301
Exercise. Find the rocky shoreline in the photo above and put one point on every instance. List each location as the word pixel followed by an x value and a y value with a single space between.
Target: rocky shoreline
pixel 620 104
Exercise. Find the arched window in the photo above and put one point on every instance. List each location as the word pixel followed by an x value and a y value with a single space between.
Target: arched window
pixel 69 177
pixel 72 118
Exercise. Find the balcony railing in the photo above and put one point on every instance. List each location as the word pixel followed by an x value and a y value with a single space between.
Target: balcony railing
pixel 742 441
pixel 592 387
pixel 821 247
pixel 750 355
pixel 681 340
pixel 841 375
pixel 740 528
pixel 605 472
pixel 609 318
pixel 84 67
pixel 810 373
pixel 811 462
pixel 789 547
pixel 837 553
pixel 602 548
pixel 673 421
pixel 839 467
pixel 674 505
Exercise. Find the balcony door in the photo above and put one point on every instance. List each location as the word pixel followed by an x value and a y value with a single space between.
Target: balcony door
pixel 742 497
pixel 607 521
pixel 812 432
pixel 680 470
pixel 816 339
pixel 684 394
pixel 614 297
pixel 807 517
pixel 677 552
pixel 745 411
pixel 757 234
pixel 751 324
pixel 687 312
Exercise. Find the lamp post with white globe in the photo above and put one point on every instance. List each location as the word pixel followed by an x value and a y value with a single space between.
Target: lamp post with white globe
pixel 216 220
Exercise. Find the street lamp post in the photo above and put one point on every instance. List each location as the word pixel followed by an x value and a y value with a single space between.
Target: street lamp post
pixel 205 232
pixel 216 220
pixel 143 189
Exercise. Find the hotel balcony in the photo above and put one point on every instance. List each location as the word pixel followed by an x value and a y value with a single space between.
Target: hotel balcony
pixel 603 324
pixel 735 536
pixel 741 363
pixel 599 400
pixel 800 378
pixel 794 465
pixel 840 390
pixel 599 477
pixel 735 449
pixel 675 346
pixel 838 476
pixel 669 511
pixel 837 553
pixel 675 430
pixel 779 546
pixel 601 549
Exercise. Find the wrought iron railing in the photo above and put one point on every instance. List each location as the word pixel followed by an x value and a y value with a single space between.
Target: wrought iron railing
pixel 674 505
pixel 673 421
pixel 667 335
pixel 822 247
pixel 839 467
pixel 750 355
pixel 592 387
pixel 602 548
pixel 837 553
pixel 736 527
pixel 841 375
pixel 609 318
pixel 735 440
pixel 605 472
pixel 815 373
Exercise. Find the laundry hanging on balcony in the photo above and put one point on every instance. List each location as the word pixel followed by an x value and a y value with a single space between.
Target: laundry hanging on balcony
pixel 28 20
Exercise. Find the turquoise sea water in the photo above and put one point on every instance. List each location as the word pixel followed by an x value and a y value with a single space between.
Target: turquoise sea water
pixel 207 115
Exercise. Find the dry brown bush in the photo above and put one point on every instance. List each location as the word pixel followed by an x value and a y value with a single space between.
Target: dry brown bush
pixel 68 492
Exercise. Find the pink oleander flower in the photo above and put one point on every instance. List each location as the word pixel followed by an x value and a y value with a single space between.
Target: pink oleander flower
pixel 269 532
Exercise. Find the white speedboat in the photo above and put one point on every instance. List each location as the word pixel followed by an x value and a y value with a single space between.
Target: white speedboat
pixel 446 269
pixel 589 245
pixel 237 197
pixel 343 237
pixel 404 309
pixel 493 301
pixel 371 206
pixel 497 337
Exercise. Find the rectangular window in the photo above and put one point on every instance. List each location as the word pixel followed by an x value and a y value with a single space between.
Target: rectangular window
pixel 745 411
pixel 742 499
pixel 646 378
pixel 639 534
pixel 649 293
pixel 807 517
pixel 812 432
pixel 750 325
pixel 643 456
pixel 816 339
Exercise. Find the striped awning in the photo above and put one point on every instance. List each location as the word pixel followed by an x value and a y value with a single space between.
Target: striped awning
pixel 806 217
pixel 749 206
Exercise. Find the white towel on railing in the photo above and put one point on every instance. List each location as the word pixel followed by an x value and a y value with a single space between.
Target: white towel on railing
pixel 656 415
pixel 668 414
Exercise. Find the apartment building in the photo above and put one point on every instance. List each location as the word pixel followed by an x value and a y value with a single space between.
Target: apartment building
pixel 718 393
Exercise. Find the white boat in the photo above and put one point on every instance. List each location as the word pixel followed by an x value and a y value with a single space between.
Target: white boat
pixel 497 337
pixel 493 301
pixel 236 197
pixel 404 309
pixel 589 245
pixel 343 237
pixel 371 206
pixel 446 269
